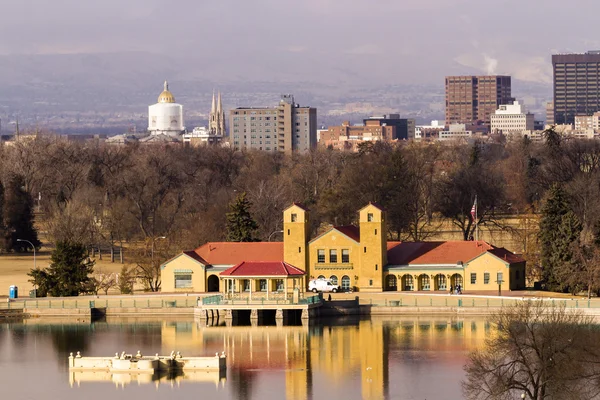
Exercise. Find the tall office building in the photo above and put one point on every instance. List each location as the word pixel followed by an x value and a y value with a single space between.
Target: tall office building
pixel 576 85
pixel 286 127
pixel 475 98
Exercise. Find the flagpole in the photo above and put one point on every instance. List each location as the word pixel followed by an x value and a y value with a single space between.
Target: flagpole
pixel 476 222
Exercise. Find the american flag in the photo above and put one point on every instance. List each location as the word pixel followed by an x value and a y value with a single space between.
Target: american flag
pixel 474 210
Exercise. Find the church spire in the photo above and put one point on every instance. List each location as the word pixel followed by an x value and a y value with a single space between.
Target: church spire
pixel 219 105
pixel 166 86
pixel 213 109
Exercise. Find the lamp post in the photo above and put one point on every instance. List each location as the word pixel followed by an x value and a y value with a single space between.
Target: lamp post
pixel 272 233
pixel 27 241
pixel 34 266
pixel 153 240
pixel 499 281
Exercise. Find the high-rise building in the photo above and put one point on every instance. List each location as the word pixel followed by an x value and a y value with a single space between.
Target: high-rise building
pixel 286 127
pixel 511 118
pixel 576 85
pixel 475 98
pixel 549 113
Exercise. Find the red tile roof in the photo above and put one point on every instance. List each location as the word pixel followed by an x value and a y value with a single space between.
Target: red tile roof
pixel 231 253
pixel 263 268
pixel 506 255
pixel 353 232
pixel 195 256
pixel 451 252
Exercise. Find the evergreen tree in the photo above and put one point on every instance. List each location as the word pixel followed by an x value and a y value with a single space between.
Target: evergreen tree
pixel 18 217
pixel 241 227
pixel 559 228
pixel 69 271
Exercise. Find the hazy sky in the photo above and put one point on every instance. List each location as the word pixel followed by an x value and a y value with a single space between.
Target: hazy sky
pixel 388 39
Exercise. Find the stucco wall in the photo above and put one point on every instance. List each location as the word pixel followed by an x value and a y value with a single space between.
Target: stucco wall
pixel 334 240
pixel 183 262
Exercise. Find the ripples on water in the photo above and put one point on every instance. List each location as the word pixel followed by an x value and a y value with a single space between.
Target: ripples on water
pixel 378 358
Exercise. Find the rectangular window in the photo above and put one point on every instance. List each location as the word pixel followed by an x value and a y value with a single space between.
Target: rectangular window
pixel 263 285
pixel 473 278
pixel 375 232
pixel 183 281
pixel 279 286
pixel 369 217
pixel 246 285
pixel 294 217
pixel 486 278
pixel 333 256
pixel 345 256
pixel 370 282
pixel 320 256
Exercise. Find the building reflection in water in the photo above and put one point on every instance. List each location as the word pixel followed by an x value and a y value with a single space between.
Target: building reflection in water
pixel 336 352
pixel 77 378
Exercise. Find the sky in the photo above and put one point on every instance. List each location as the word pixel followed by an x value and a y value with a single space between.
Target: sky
pixel 398 41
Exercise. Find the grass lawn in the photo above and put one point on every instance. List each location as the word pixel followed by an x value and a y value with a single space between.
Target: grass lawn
pixel 14 269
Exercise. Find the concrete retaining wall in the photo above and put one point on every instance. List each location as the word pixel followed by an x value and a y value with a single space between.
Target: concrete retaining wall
pixel 86 312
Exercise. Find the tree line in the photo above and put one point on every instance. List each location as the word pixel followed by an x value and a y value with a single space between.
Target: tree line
pixel 161 199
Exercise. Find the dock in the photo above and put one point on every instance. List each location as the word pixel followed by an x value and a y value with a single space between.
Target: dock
pixel 139 364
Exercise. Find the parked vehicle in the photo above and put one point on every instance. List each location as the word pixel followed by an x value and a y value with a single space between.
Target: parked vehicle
pixel 322 285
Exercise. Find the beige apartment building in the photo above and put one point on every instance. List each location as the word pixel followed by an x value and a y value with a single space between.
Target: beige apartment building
pixel 584 122
pixel 348 137
pixel 286 127
pixel 475 98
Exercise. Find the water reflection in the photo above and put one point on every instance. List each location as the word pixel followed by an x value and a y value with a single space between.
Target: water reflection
pixel 379 358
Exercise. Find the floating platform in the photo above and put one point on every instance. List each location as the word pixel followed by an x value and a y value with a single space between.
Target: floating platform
pixel 139 364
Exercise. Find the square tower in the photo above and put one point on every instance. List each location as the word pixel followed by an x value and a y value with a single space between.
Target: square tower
pixel 373 243
pixel 296 231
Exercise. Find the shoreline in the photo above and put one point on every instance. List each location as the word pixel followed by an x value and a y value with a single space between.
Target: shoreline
pixel 341 304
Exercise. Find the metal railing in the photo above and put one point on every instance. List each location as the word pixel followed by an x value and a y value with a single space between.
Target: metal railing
pixel 473 302
pixel 246 300
pixel 83 303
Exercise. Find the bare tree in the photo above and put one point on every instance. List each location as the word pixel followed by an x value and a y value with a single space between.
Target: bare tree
pixel 539 350
pixel 103 281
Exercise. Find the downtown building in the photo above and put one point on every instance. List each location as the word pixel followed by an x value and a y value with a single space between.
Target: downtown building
pixel 475 98
pixel 576 85
pixel 286 127
pixel 511 119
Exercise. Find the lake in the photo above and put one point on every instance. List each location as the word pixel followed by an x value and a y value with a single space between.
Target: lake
pixel 350 358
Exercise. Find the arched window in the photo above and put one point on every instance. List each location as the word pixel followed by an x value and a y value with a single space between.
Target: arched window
pixel 345 282
pixel 333 279
pixel 441 282
pixel 408 283
pixel 425 285
pixel 321 277
pixel 391 282
pixel 457 280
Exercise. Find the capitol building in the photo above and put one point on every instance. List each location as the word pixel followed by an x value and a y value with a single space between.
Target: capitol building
pixel 166 116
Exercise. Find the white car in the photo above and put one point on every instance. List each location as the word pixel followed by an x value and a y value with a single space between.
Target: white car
pixel 322 285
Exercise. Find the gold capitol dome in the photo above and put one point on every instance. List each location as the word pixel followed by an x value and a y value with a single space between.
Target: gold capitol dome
pixel 166 96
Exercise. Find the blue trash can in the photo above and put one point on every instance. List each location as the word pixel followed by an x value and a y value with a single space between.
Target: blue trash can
pixel 13 292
